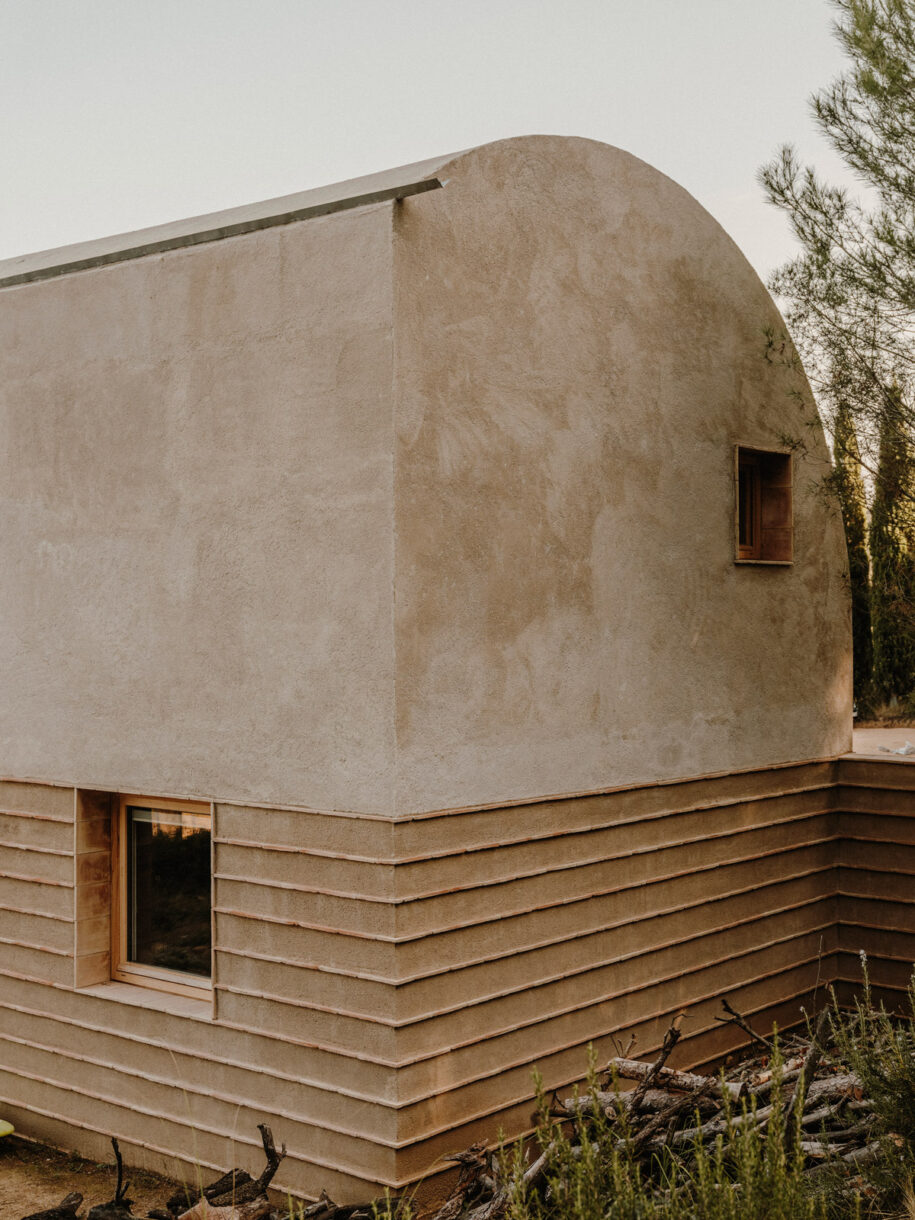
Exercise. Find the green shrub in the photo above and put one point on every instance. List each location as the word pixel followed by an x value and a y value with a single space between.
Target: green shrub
pixel 744 1175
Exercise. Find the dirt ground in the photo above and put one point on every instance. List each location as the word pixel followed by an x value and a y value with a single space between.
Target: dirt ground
pixel 33 1177
pixel 879 738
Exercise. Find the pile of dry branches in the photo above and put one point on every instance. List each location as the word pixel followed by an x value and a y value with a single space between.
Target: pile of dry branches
pixel 679 1114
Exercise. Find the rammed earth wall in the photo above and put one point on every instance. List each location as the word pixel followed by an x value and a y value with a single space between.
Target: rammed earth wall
pixel 384 989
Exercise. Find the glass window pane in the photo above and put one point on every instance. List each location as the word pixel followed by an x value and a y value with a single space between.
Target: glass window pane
pixel 168 889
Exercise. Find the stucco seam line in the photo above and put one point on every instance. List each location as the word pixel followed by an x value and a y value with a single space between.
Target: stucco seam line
pixel 546 943
pixel 546 980
pixel 42 851
pixel 228 1099
pixel 873 871
pixel 862 757
pixel 647 1052
pixel 291 848
pixel 860 810
pixel 862 786
pixel 865 925
pixel 594 827
pixel 876 841
pixel 196 1054
pixel 27 944
pixel 180 241
pixel 564 1047
pixel 36 817
pixel 257 805
pixel 555 1013
pixel 871 897
pixel 195 1126
pixel 552 798
pixel 526 908
pixel 875 813
pixel 412 1060
pixel 36 914
pixel 64 885
pixel 849 789
pixel 883 956
pixel 514 875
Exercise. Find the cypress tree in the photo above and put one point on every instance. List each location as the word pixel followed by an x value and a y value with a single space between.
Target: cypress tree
pixel 892 539
pixel 849 488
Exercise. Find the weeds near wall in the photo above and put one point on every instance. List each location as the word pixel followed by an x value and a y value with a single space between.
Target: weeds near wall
pixel 820 1127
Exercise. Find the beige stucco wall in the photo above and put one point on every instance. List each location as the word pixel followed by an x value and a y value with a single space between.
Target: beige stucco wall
pixel 423 505
pixel 195 489
pixel 579 348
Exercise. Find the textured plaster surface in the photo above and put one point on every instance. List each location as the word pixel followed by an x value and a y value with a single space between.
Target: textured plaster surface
pixel 424 505
pixel 195 498
pixel 579 348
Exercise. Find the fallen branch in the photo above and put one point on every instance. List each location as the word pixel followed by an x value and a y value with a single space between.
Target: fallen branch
pixel 670 1078
pixel 66 1209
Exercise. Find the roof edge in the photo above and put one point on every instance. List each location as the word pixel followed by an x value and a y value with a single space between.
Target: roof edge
pixel 398 183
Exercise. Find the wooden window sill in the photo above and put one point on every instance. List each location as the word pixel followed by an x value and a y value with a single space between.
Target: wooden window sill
pixel 159 1001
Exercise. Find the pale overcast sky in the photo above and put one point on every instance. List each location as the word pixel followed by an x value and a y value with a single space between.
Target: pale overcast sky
pixel 119 114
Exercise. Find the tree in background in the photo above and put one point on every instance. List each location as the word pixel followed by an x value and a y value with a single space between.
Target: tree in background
pixel 892 539
pixel 849 487
pixel 851 292
pixel 850 298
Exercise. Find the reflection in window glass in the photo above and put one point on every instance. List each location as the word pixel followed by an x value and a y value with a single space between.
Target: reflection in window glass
pixel 168 889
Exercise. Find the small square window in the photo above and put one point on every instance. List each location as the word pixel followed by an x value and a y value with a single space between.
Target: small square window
pixel 764 510
pixel 162 922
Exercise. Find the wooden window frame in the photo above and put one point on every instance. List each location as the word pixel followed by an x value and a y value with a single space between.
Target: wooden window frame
pixel 749 463
pixel 122 970
pixel 770 474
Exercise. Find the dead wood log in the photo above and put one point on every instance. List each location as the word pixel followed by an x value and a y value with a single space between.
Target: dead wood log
pixel 229 1183
pixel 663 1118
pixel 819 1149
pixel 766 1086
pixel 239 1191
pixel 845 1085
pixel 613 1103
pixel 323 1206
pixel 118 1208
pixel 864 1156
pixel 233 1191
pixel 718 1126
pixel 670 1078
pixel 821 1114
pixel 66 1209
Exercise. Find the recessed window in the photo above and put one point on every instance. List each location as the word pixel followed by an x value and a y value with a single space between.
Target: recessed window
pixel 163 882
pixel 764 513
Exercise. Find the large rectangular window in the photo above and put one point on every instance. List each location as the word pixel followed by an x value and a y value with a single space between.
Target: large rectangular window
pixel 163 882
